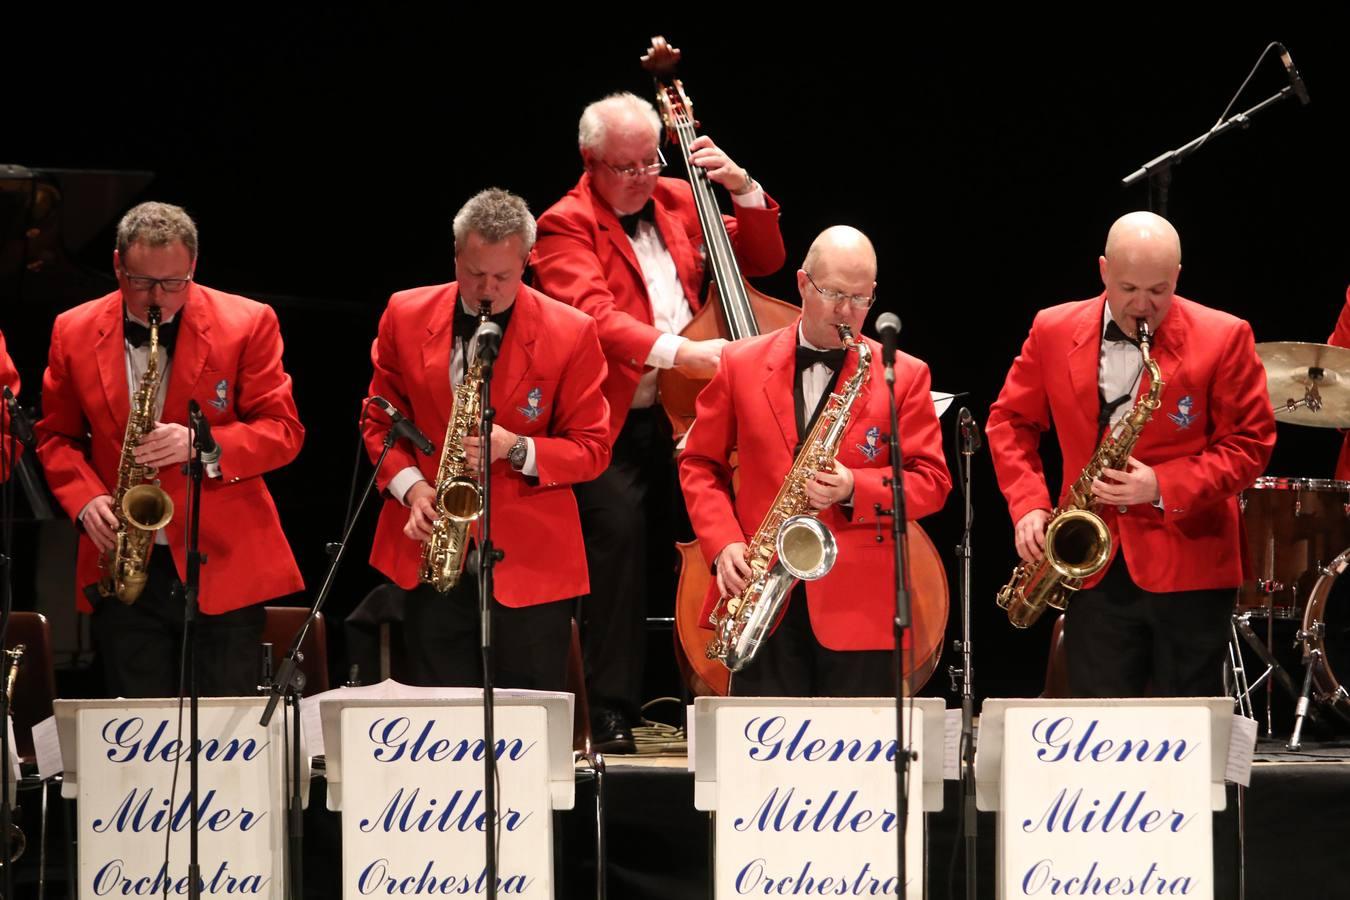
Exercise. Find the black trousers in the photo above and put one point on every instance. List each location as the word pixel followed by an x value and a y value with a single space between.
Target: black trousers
pixel 442 643
pixel 1124 641
pixel 792 663
pixel 631 517
pixel 141 644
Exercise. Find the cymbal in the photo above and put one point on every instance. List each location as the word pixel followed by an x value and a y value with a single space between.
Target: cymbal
pixel 1309 384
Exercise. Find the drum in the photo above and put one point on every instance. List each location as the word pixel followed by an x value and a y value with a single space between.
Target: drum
pixel 1295 527
pixel 1326 628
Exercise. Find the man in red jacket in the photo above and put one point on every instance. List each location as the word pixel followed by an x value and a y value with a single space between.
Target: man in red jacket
pixel 1158 614
pixel 836 637
pixel 224 352
pixel 9 377
pixel 550 431
pixel 626 247
pixel 1341 338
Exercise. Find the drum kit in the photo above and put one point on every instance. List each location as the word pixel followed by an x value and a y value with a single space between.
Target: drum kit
pixel 1298 534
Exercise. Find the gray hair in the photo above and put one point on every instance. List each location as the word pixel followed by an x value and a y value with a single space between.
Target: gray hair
pixel 495 215
pixel 596 118
pixel 156 225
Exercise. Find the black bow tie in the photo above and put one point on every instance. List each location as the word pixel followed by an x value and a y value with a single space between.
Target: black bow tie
pixel 465 325
pixel 138 335
pixel 1117 334
pixel 807 357
pixel 630 221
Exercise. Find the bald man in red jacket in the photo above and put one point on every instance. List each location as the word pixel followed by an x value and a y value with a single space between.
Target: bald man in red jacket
pixel 1158 614
pixel 836 637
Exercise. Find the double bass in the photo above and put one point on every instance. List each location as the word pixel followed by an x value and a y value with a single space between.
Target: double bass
pixel 734 310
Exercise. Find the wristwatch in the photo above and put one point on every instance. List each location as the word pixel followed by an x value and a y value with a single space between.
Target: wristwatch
pixel 516 455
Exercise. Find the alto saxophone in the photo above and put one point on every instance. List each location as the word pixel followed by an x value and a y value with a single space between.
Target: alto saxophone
pixel 18 841
pixel 459 496
pixel 140 504
pixel 791 544
pixel 1077 541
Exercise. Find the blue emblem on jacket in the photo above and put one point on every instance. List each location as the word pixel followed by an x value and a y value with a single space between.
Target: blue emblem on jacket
pixel 872 449
pixel 535 408
pixel 1183 416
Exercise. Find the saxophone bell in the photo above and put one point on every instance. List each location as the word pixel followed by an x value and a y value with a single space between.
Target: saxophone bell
pixel 806 547
pixel 147 507
pixel 460 499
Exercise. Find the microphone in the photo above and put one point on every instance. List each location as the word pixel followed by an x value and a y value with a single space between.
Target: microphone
pixel 20 425
pixel 487 340
pixel 201 428
pixel 888 327
pixel 1295 80
pixel 970 432
pixel 404 427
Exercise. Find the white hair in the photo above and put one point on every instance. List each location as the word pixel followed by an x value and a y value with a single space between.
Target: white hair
pixel 597 118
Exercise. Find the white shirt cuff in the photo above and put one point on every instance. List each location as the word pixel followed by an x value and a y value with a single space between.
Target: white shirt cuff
pixel 530 468
pixel 401 483
pixel 80 518
pixel 753 199
pixel 664 350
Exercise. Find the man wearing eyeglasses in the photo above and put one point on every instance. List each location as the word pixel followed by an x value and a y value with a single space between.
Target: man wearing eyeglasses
pixel 625 245
pixel 210 343
pixel 835 638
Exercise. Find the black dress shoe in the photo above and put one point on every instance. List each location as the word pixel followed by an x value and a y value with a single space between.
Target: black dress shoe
pixel 610 733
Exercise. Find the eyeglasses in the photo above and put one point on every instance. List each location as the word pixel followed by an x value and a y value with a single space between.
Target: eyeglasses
pixel 858 301
pixel 637 171
pixel 146 283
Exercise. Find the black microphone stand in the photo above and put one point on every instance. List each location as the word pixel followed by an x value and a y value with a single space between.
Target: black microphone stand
pixel 201 443
pixel 488 557
pixel 1158 170
pixel 969 443
pixel 290 681
pixel 899 524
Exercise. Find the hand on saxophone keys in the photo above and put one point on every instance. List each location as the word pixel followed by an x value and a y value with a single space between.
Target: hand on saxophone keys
pixel 1137 484
pixel 733 572
pixel 828 488
pixel 501 443
pixel 100 522
pixel 167 444
pixel 421 500
pixel 1029 535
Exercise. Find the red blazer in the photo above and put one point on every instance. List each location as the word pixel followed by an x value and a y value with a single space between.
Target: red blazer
pixel 584 258
pixel 1211 437
pixel 547 346
pixel 9 376
pixel 748 405
pixel 1341 338
pixel 223 341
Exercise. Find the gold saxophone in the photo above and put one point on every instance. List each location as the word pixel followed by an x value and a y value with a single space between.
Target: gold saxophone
pixel 791 544
pixel 141 506
pixel 459 496
pixel 18 841
pixel 1077 541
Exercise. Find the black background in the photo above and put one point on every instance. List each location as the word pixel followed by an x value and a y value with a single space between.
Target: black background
pixel 323 155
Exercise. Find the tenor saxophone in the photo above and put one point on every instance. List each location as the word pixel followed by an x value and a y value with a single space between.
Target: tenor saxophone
pixel 140 504
pixel 791 544
pixel 459 496
pixel 1077 541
